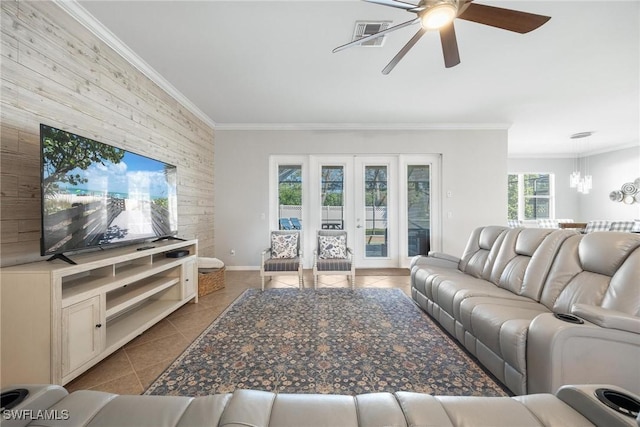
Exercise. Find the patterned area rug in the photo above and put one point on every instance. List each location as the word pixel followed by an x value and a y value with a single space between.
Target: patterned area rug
pixel 335 341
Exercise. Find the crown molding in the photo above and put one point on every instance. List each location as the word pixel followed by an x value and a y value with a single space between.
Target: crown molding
pixel 359 126
pixel 573 155
pixel 80 14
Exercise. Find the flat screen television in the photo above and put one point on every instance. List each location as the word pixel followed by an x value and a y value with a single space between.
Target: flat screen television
pixel 96 195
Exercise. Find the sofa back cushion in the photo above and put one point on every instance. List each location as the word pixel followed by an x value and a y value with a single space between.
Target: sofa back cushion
pixel 600 269
pixel 604 252
pixel 479 253
pixel 541 262
pixel 525 258
pixel 566 266
pixel 623 293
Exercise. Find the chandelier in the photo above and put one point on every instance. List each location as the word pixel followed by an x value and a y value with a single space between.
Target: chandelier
pixel 580 178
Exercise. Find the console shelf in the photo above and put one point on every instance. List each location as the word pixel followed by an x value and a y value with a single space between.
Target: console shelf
pixel 119 330
pixel 76 315
pixel 78 288
pixel 121 299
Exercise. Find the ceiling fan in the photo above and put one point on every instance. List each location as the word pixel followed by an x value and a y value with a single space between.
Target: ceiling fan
pixel 440 14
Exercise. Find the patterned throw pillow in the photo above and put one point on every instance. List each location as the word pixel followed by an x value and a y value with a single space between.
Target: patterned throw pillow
pixel 284 245
pixel 333 247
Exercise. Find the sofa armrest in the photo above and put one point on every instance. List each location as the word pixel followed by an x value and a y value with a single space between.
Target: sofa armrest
pixel 39 397
pixel 560 352
pixel 583 399
pixel 436 259
pixel 605 318
pixel 444 256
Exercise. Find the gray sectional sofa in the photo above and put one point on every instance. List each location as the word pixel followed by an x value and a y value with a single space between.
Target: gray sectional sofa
pixel 571 406
pixel 540 308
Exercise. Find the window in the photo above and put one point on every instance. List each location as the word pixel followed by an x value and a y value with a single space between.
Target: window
pixel 530 196
pixel 290 197
pixel 376 226
pixel 332 197
pixel 418 209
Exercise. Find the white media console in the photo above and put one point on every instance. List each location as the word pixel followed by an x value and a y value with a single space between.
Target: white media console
pixel 58 319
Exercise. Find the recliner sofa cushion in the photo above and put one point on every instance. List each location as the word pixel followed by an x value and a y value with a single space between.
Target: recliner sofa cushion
pixel 476 258
pixel 294 410
pixel 623 293
pixel 599 269
pixel 604 253
pixel 502 327
pixel 476 261
pixel 449 294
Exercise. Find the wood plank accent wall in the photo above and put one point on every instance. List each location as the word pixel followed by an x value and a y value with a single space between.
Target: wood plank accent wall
pixel 55 71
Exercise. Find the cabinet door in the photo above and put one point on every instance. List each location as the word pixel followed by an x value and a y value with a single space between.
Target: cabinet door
pixel 189 275
pixel 82 333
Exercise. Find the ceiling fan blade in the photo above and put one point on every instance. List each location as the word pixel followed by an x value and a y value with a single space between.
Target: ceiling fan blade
pixel 376 35
pixel 395 3
pixel 507 19
pixel 403 51
pixel 449 46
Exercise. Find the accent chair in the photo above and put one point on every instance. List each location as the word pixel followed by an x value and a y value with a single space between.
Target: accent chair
pixel 283 257
pixel 333 256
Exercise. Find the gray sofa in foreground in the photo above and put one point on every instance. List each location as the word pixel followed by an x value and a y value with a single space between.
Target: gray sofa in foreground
pixel 576 406
pixel 540 308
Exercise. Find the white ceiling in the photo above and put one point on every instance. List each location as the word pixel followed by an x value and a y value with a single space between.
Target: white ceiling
pixel 268 64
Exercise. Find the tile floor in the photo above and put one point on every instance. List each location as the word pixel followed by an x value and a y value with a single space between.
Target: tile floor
pixel 134 367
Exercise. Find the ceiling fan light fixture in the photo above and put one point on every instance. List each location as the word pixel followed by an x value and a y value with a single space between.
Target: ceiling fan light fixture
pixel 439 15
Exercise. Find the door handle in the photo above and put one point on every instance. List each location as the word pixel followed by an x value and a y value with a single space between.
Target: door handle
pixel 358 226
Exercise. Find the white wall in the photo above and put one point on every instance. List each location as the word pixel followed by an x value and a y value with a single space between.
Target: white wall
pixel 474 169
pixel 609 170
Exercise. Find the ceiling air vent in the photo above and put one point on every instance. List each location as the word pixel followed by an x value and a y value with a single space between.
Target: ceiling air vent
pixel 366 28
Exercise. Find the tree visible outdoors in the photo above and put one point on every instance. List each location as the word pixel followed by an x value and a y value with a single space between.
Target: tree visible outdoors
pixel 57 163
pixel 332 185
pixel 418 189
pixel 512 195
pixel 418 210
pixel 376 186
pixel 290 185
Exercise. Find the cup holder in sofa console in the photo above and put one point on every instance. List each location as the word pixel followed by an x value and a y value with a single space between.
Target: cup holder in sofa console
pixel 619 401
pixel 12 398
pixel 569 318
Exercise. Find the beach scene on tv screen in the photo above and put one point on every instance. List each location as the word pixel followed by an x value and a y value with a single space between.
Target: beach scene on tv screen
pixel 95 194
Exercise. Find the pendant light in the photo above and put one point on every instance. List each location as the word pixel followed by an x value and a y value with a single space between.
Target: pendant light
pixel 580 179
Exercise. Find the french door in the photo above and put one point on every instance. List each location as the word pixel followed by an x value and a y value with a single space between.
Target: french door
pixel 376 213
pixel 388 204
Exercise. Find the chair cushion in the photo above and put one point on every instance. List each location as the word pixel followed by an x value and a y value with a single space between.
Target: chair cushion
pixel 548 223
pixel 621 226
pixel 332 247
pixel 282 264
pixel 334 265
pixel 597 226
pixel 284 245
